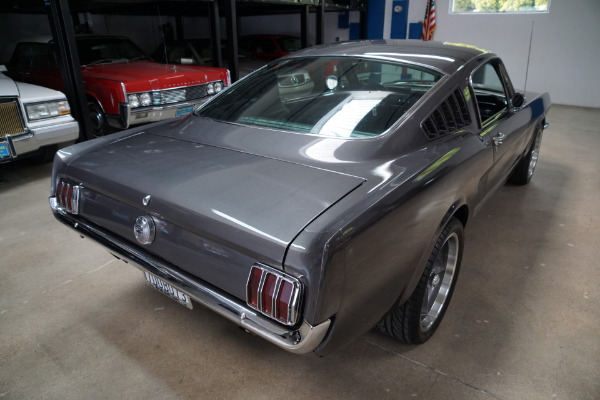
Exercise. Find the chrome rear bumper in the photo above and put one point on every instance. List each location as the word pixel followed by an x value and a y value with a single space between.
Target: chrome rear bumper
pixel 304 339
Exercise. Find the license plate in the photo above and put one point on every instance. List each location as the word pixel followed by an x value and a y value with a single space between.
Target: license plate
pixel 4 150
pixel 168 290
pixel 181 111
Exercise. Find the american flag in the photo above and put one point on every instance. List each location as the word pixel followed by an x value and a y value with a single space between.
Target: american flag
pixel 429 21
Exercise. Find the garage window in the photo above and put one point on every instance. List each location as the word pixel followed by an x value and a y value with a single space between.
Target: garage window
pixel 499 6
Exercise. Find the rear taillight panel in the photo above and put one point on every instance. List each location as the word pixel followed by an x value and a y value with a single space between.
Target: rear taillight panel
pixel 68 196
pixel 274 294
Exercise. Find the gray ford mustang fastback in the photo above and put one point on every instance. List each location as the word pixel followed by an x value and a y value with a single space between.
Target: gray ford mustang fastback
pixel 321 196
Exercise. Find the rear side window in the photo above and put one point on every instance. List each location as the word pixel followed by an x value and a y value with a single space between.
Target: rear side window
pixel 452 116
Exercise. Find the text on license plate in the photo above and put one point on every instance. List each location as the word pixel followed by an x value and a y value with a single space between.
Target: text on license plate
pixel 165 288
pixel 181 111
pixel 4 150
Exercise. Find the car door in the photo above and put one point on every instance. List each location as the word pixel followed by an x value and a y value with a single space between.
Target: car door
pixel 492 91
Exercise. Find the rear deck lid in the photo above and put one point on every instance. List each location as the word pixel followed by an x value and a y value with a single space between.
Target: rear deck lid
pixel 252 203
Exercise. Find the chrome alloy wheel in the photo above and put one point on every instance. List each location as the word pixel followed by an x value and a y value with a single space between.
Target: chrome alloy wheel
pixel 534 155
pixel 440 281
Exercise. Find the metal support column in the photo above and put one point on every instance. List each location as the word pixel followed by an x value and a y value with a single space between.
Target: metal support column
pixel 61 26
pixel 320 39
pixel 215 34
pixel 179 27
pixel 232 39
pixel 363 23
pixel 304 14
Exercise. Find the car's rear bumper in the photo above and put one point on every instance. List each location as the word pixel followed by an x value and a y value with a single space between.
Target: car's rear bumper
pixel 304 339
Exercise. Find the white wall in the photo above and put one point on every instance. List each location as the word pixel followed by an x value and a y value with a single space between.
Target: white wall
pixel 565 51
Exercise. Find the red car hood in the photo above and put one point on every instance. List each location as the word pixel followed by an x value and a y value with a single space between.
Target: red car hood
pixel 154 76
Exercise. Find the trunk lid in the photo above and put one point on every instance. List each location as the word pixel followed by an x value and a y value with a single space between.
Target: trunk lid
pixel 215 208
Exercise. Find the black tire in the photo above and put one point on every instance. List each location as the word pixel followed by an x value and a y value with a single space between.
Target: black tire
pixel 524 170
pixel 97 118
pixel 415 321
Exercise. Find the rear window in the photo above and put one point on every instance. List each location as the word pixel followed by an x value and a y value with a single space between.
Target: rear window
pixel 334 97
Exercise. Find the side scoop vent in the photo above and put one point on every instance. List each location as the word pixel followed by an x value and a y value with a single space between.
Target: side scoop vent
pixel 449 117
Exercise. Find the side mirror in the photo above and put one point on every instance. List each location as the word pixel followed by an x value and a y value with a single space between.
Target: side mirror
pixel 517 101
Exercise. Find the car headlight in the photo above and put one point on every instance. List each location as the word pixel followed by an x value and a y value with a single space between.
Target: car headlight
pixel 47 110
pixel 145 99
pixel 210 88
pixel 134 101
pixel 218 86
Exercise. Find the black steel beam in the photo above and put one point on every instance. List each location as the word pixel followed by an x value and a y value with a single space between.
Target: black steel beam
pixel 61 26
pixel 304 14
pixel 215 34
pixel 320 37
pixel 232 39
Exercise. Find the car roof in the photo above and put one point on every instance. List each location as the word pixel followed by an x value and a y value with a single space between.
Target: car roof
pixel 444 57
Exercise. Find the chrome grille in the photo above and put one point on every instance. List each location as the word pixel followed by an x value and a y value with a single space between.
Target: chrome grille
pixel 10 119
pixel 195 92
pixel 173 96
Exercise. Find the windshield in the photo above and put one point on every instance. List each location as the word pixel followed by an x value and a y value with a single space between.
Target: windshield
pixel 100 50
pixel 336 97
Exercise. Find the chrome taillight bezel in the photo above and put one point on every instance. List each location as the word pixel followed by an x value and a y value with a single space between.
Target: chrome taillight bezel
pixel 68 196
pixel 272 310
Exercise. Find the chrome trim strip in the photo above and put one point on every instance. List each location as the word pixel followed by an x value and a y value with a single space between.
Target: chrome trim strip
pixel 304 339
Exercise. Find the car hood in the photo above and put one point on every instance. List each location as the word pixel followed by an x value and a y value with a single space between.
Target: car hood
pixel 242 200
pixel 26 91
pixel 158 76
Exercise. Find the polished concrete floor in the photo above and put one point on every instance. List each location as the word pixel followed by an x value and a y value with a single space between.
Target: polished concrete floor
pixel 524 322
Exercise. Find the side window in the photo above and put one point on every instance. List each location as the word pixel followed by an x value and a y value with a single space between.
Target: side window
pixel 490 93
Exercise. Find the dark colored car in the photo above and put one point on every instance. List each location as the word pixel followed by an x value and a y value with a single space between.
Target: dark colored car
pixel 268 47
pixel 310 215
pixel 124 87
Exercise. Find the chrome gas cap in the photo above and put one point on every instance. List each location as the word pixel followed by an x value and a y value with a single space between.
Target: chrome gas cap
pixel 144 229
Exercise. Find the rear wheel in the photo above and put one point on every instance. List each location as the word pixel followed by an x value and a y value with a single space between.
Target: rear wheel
pixel 416 320
pixel 524 170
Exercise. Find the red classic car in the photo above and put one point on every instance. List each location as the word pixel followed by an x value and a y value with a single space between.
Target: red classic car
pixel 124 87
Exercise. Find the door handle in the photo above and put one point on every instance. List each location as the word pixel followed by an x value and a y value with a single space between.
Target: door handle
pixel 499 139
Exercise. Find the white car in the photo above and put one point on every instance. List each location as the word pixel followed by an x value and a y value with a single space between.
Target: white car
pixel 33 118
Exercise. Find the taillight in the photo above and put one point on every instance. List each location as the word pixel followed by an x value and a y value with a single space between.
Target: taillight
pixel 67 196
pixel 273 294
pixel 253 287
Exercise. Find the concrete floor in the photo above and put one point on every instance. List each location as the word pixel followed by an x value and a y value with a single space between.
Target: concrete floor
pixel 524 322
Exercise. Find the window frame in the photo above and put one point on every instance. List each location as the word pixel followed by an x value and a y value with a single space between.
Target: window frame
pixel 507 87
pixel 512 12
